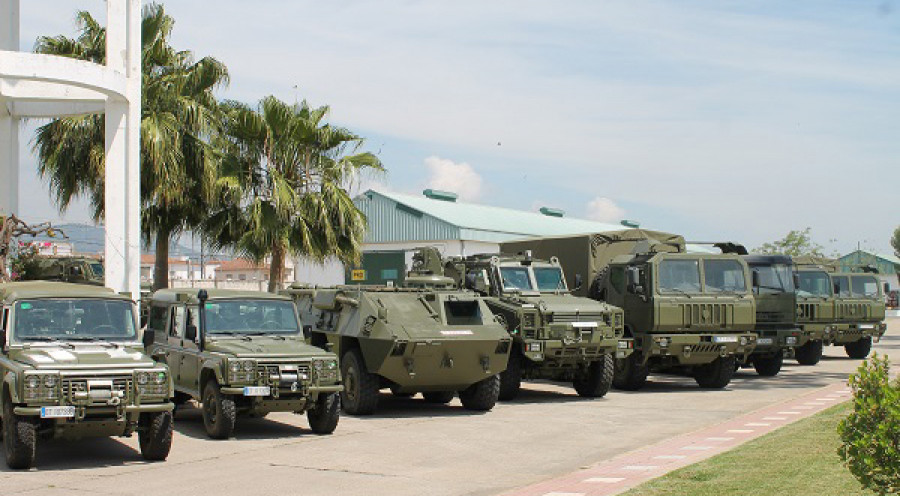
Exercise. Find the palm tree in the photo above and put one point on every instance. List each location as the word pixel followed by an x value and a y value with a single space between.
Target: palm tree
pixel 179 118
pixel 283 186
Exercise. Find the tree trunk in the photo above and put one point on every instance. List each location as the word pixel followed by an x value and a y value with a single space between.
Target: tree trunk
pixel 161 264
pixel 276 270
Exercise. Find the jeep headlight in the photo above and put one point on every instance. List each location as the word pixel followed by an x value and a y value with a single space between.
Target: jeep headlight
pixel 143 378
pixel 326 369
pixel 241 371
pixel 32 381
pixel 152 383
pixel 41 386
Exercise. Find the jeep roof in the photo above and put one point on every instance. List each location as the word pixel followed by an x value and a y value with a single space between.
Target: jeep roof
pixel 171 295
pixel 12 291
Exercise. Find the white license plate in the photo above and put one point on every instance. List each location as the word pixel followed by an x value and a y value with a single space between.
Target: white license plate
pixel 867 326
pixel 256 391
pixel 790 340
pixel 584 325
pixel 57 411
pixel 725 339
pixel 764 341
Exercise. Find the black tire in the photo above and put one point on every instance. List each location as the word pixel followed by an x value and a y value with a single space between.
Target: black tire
pixel 482 395
pixel 219 411
pixel 715 375
pixel 360 395
pixel 19 438
pixel 438 397
pixel 155 435
pixel 511 378
pixel 597 379
pixel 810 353
pixel 629 373
pixel 769 366
pixel 323 419
pixel 859 349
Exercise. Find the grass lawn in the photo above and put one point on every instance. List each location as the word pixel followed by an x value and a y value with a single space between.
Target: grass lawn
pixel 797 460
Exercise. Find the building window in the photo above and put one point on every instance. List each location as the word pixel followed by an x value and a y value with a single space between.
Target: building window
pixel 227 277
pixel 242 277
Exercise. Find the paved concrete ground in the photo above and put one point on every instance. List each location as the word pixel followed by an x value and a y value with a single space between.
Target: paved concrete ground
pixel 412 448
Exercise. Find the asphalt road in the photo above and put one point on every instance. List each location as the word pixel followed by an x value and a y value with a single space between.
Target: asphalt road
pixel 412 448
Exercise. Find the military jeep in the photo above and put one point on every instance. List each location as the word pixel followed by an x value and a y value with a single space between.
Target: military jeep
pixel 73 366
pixel 242 353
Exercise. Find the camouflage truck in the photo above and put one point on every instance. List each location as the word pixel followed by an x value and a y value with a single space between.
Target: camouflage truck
pixel 73 366
pixel 412 340
pixel 82 270
pixel 859 312
pixel 778 332
pixel 688 312
pixel 815 309
pixel 556 335
pixel 242 353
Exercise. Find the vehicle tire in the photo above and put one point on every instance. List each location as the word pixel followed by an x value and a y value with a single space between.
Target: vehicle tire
pixel 769 366
pixel 715 375
pixel 19 438
pixel 438 397
pixel 482 395
pixel 323 419
pixel 810 353
pixel 511 378
pixel 597 378
pixel 219 411
pixel 629 373
pixel 155 435
pixel 859 349
pixel 360 395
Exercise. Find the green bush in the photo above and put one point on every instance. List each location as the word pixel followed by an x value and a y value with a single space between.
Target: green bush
pixel 871 433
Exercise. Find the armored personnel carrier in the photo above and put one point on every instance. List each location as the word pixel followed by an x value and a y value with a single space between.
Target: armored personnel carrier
pixel 73 366
pixel 242 353
pixel 556 335
pixel 412 340
pixel 685 311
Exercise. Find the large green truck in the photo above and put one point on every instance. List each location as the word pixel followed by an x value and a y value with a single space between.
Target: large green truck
pixel 815 309
pixel 690 312
pixel 859 312
pixel 556 335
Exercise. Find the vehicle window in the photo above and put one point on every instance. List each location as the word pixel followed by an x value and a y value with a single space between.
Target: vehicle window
pixel 176 324
pixel 251 317
pixel 617 279
pixel 865 286
pixel 157 320
pixel 724 275
pixel 549 279
pixel 515 278
pixel 814 284
pixel 97 269
pixel 842 285
pixel 679 275
pixel 74 320
pixel 774 279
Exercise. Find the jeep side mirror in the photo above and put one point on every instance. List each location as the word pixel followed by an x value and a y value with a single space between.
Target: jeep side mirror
pixel 579 281
pixel 887 288
pixel 754 278
pixel 796 280
pixel 633 275
pixel 837 289
pixel 190 332
pixel 149 337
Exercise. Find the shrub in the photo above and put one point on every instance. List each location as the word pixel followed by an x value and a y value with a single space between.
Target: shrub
pixel 871 433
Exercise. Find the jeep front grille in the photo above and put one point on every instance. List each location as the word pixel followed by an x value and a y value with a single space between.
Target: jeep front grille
pixel 73 385
pixel 567 317
pixel 274 374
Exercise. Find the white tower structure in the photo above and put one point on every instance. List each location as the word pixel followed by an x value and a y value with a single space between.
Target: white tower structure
pixel 41 86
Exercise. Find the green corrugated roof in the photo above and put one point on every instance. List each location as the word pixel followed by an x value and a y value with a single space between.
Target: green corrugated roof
pixel 883 256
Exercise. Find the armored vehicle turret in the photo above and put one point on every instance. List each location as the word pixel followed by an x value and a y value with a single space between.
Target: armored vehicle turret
pixel 73 366
pixel 412 340
pixel 556 335
pixel 242 353
pixel 688 311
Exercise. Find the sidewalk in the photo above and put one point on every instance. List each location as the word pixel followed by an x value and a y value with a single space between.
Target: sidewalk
pixel 626 471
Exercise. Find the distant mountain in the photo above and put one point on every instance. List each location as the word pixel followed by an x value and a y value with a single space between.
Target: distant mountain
pixel 90 239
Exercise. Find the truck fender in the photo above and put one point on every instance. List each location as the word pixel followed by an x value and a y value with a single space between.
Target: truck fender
pixel 9 385
pixel 211 368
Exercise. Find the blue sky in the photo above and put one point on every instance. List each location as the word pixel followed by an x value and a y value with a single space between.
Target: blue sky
pixel 719 120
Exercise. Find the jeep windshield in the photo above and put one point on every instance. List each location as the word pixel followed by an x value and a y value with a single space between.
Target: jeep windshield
pixel 814 283
pixel 679 276
pixel 549 279
pixel 516 278
pixel 723 276
pixel 863 286
pixel 251 317
pixel 97 269
pixel 76 319
pixel 774 279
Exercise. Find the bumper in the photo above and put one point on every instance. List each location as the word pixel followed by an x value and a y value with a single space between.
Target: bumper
pixel 850 333
pixel 695 349
pixel 774 340
pixel 81 412
pixel 313 390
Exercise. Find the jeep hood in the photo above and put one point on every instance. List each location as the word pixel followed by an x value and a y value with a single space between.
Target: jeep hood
pixel 568 304
pixel 83 357
pixel 264 347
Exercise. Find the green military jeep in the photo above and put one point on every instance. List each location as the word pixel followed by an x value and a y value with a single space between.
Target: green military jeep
pixel 73 366
pixel 242 352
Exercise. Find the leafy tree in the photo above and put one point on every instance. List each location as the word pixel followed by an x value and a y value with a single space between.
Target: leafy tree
pixel 795 244
pixel 179 115
pixel 895 241
pixel 871 433
pixel 283 186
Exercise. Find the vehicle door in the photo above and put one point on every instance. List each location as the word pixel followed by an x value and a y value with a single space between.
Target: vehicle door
pixel 191 358
pixel 174 340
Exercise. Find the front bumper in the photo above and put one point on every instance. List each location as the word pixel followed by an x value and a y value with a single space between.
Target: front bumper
pixel 851 332
pixel 695 349
pixel 120 412
pixel 774 340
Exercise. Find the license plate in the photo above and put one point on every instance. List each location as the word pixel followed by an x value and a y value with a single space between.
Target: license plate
pixel 584 325
pixel 725 339
pixel 57 411
pixel 256 391
pixel 790 340
pixel 867 326
pixel 764 341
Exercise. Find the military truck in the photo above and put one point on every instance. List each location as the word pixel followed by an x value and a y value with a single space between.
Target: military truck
pixel 777 330
pixel 690 312
pixel 242 353
pixel 83 270
pixel 556 335
pixel 859 312
pixel 412 340
pixel 815 310
pixel 73 366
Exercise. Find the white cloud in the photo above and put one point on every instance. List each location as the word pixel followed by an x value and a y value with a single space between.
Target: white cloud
pixel 459 178
pixel 604 210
